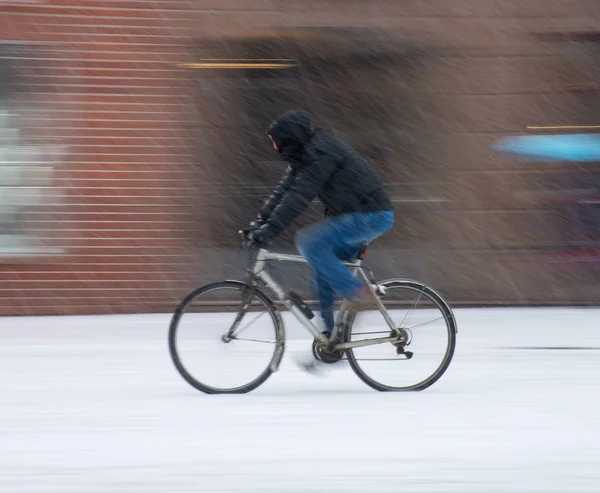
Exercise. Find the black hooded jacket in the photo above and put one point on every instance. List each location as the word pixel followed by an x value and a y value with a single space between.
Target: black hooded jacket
pixel 320 165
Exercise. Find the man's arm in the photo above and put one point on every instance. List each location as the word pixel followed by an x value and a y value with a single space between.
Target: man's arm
pixel 275 197
pixel 307 184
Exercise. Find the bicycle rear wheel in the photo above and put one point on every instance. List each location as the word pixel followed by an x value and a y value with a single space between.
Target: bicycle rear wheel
pixel 226 337
pixel 421 354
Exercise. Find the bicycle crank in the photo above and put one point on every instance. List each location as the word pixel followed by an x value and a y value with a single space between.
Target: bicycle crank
pixel 326 355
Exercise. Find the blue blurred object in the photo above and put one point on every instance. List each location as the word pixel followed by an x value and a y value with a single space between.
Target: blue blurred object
pixel 569 147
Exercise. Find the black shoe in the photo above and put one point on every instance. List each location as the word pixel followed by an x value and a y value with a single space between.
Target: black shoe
pixel 338 338
pixel 314 367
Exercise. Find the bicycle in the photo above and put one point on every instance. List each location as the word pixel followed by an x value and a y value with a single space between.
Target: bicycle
pixel 237 299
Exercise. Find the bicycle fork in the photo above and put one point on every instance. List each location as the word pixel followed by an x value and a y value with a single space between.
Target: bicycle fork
pixel 246 301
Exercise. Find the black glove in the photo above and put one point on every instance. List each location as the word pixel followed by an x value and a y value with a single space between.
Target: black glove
pixel 258 238
pixel 256 224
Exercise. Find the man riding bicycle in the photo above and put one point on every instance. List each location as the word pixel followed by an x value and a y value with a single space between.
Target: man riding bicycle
pixel 357 208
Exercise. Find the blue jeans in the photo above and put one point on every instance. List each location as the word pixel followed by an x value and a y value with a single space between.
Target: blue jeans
pixel 326 243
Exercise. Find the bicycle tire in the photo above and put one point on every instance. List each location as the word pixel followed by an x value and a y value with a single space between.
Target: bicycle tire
pixel 279 333
pixel 449 354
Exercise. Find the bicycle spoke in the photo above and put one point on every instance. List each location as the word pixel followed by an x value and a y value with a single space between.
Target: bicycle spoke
pixel 254 340
pixel 407 316
pixel 425 323
pixel 247 325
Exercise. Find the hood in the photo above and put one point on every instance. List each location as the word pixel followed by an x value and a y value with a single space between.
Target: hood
pixel 291 131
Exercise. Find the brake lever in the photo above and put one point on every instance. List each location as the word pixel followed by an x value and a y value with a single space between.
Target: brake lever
pixel 251 249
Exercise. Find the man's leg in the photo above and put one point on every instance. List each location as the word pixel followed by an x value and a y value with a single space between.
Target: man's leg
pixel 325 296
pixel 318 242
pixel 324 291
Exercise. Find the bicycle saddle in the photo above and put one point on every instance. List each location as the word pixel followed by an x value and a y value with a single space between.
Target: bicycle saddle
pixel 362 252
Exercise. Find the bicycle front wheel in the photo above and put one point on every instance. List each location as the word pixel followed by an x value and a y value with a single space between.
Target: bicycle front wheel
pixel 424 349
pixel 226 337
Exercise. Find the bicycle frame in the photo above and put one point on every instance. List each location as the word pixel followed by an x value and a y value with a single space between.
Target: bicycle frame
pixel 258 271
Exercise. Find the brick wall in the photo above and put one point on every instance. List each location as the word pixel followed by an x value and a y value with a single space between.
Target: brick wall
pixel 137 187
pixel 100 79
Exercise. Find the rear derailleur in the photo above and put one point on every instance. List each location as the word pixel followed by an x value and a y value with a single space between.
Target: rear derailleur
pixel 404 338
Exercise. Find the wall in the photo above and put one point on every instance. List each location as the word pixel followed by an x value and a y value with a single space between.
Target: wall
pixel 131 219
pixel 100 80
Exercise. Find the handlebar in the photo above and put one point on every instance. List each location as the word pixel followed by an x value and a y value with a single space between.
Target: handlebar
pixel 249 248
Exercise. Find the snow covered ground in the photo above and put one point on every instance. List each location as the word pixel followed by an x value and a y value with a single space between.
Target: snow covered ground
pixel 93 404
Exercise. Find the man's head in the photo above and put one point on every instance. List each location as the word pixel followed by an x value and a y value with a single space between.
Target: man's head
pixel 290 132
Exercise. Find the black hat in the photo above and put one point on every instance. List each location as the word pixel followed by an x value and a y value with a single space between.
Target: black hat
pixel 291 129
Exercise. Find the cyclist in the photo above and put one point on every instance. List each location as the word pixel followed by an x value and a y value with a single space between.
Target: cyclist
pixel 357 208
